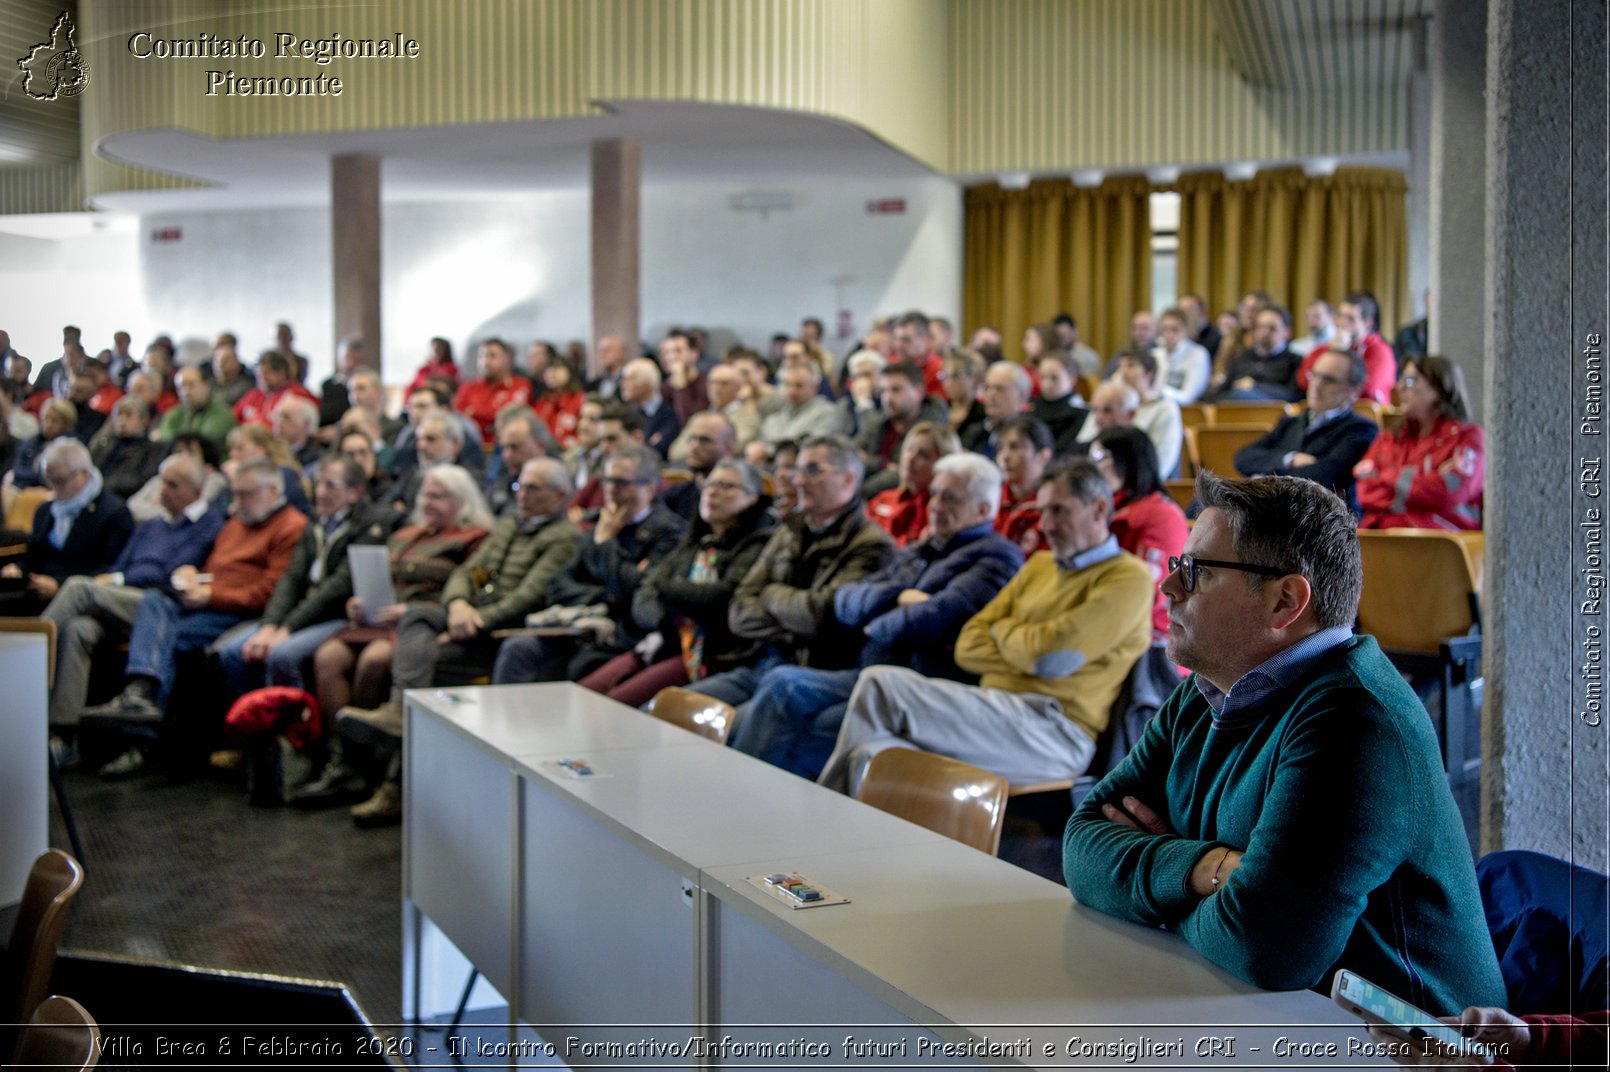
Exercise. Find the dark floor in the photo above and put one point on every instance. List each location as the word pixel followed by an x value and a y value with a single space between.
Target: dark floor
pixel 189 873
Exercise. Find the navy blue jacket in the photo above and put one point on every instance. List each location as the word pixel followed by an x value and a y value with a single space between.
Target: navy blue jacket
pixel 159 546
pixel 960 577
pixel 93 543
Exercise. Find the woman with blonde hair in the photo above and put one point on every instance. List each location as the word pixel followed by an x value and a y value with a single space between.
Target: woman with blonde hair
pixel 248 441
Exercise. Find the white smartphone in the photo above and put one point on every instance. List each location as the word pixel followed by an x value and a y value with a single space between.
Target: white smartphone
pixel 1397 1017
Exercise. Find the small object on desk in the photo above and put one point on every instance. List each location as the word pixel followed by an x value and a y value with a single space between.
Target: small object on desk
pixel 794 890
pixel 451 697
pixel 578 768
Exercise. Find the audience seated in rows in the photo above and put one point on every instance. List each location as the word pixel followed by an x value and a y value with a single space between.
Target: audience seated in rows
pixel 785 603
pixel 680 606
pixel 1052 649
pixel 253 549
pixel 909 614
pixel 902 511
pixel 1325 441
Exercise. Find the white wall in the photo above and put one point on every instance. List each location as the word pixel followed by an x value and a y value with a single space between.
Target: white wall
pixel 90 280
pixel 517 268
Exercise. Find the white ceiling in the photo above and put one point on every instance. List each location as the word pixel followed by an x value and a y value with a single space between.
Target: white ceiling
pixel 681 142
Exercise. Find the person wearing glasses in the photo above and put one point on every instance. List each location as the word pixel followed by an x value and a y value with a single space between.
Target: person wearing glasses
pixel 710 440
pixel 1427 474
pixel 79 531
pixel 1286 813
pixel 595 588
pixel 784 604
pixel 908 614
pixel 1051 650
pixel 1325 441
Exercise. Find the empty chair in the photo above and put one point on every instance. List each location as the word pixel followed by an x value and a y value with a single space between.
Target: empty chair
pixel 31 956
pixel 1267 414
pixel 945 795
pixel 1216 446
pixel 60 1035
pixel 1420 602
pixel 704 715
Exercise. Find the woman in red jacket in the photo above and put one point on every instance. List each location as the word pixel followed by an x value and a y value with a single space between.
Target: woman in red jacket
pixel 559 404
pixel 1147 523
pixel 1427 474
pixel 439 362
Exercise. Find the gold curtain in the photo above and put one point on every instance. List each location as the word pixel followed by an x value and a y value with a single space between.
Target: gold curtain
pixel 1298 238
pixel 1055 247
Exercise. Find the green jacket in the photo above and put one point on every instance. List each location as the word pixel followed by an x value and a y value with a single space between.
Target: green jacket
pixel 508 576
pixel 297 602
pixel 786 599
pixel 1355 855
pixel 214 420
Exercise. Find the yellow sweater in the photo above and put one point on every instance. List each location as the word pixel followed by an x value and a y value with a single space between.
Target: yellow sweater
pixel 1102 612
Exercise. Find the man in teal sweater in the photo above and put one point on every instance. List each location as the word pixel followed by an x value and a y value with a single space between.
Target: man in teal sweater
pixel 1286 812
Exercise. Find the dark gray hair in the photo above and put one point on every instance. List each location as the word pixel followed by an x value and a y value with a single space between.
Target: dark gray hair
pixel 1081 477
pixel 841 454
pixel 1297 526
pixel 351 473
pixel 645 460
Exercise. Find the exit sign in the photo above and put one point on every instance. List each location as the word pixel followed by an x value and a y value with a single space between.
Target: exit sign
pixel 167 234
pixel 889 206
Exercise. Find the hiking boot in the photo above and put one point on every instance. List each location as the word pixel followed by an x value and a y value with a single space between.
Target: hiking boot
pixel 127 765
pixel 382 809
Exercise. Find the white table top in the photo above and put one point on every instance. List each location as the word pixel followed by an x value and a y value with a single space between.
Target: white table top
pixel 508 720
pixel 709 805
pixel 961 938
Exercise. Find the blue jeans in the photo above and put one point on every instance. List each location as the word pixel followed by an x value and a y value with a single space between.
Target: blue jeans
pixel 163 629
pixel 737 686
pixel 284 664
pixel 794 716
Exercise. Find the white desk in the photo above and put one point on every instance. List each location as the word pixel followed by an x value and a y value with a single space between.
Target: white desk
pixel 24 777
pixel 620 899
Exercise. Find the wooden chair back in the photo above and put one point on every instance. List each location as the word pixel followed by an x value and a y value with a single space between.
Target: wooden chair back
pixel 36 625
pixel 1216 446
pixel 947 796
pixel 20 514
pixel 60 1035
pixel 1368 407
pixel 41 917
pixel 1190 455
pixel 1196 414
pixel 695 712
pixel 1420 587
pixel 1267 414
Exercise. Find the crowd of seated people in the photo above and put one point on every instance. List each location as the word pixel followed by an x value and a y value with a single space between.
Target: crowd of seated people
pixel 947 549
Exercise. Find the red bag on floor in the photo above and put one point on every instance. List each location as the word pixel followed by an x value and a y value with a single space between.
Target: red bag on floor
pixel 263 714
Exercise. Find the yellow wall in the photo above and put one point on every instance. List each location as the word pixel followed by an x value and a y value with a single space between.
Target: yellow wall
pixel 966 86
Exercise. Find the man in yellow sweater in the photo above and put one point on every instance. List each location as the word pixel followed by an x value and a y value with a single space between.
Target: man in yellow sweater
pixel 1052 651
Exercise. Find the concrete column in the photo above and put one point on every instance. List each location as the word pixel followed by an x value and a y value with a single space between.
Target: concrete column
pixel 355 233
pixel 1419 200
pixel 1457 50
pixel 616 187
pixel 1545 776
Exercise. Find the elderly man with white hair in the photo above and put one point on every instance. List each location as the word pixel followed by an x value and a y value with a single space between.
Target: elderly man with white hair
pixel 1006 396
pixel 640 388
pixel 88 610
pixel 296 421
pixel 910 613
pixel 80 531
pixel 253 549
pixel 437 441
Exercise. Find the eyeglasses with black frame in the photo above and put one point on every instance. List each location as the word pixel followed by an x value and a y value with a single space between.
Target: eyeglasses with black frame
pixel 1187 565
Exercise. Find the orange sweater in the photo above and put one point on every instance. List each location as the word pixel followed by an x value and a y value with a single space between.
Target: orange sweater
pixel 247 560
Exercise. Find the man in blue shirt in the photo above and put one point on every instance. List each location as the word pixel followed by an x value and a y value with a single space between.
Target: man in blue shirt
pixel 88 610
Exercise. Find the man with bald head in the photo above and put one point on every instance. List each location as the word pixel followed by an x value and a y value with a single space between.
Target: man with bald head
pixel 88 610
pixel 610 355
pixel 1006 394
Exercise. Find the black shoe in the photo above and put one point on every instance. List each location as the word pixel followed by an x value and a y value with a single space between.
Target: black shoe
pixel 133 705
pixel 338 785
